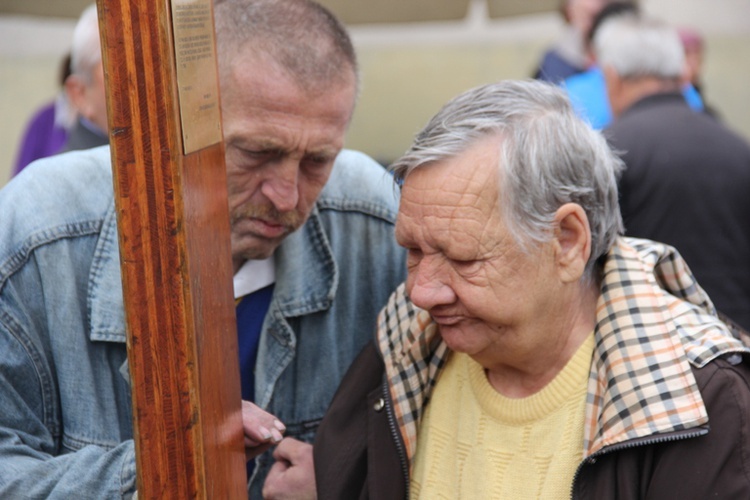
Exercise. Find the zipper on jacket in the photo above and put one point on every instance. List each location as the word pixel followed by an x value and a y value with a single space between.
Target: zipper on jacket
pixel 632 444
pixel 396 436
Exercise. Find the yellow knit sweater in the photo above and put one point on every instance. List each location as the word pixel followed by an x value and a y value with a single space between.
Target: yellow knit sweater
pixel 474 443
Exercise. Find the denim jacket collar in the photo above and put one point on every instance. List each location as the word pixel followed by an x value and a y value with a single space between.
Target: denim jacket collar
pixel 307 275
pixel 104 301
pixel 306 283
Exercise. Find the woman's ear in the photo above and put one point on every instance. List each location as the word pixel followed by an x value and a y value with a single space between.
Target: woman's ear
pixel 572 241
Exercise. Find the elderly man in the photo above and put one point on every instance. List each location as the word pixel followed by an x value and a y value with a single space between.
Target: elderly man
pixel 687 176
pixel 313 251
pixel 85 85
pixel 533 352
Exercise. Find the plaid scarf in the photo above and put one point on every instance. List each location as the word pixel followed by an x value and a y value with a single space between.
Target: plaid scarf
pixel 653 322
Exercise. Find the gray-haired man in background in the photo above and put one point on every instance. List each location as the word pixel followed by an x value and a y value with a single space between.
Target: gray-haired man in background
pixel 687 176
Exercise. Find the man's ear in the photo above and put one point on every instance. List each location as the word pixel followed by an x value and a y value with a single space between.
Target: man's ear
pixel 614 86
pixel 75 89
pixel 572 241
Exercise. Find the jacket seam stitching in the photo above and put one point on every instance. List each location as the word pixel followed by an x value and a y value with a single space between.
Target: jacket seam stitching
pixel 44 378
pixel 374 210
pixel 36 240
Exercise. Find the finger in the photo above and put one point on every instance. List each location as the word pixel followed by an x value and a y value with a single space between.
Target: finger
pixel 274 480
pixel 254 451
pixel 292 450
pixel 282 451
pixel 260 426
pixel 295 481
pixel 255 412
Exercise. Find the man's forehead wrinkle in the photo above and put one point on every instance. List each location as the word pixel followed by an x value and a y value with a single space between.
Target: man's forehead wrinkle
pixel 289 145
pixel 260 142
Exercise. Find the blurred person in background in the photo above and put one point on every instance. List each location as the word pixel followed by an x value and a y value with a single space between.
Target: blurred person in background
pixel 568 56
pixel 46 132
pixel 695 50
pixel 693 44
pixel 587 90
pixel 687 176
pixel 85 85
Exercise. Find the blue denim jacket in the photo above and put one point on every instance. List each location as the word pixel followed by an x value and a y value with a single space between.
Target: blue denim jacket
pixel 65 419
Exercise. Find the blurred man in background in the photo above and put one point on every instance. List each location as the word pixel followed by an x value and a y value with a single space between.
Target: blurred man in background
pixel 687 177
pixel 85 85
pixel 588 91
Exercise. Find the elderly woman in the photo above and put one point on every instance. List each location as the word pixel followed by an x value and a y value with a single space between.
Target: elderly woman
pixel 533 352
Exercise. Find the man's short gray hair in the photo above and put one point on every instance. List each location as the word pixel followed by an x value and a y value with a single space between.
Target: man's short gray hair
pixel 636 47
pixel 548 157
pixel 86 49
pixel 302 36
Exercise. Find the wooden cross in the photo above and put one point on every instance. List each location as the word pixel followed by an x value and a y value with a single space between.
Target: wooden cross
pixel 170 193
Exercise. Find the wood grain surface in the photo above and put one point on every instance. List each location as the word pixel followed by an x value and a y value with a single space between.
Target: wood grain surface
pixel 176 268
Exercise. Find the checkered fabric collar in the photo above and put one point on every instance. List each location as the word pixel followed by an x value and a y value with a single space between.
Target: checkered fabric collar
pixel 653 322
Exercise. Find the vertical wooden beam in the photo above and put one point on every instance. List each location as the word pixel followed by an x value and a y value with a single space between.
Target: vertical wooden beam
pixel 171 200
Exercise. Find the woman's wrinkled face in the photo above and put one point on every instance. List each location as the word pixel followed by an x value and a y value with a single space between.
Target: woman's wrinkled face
pixel 464 265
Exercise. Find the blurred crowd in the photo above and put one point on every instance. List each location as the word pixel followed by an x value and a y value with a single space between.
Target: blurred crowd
pixel 639 81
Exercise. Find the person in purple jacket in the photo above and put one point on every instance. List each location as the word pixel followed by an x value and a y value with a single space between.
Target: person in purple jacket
pixel 47 130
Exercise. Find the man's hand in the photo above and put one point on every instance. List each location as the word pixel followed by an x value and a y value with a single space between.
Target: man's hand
pixel 262 430
pixel 292 477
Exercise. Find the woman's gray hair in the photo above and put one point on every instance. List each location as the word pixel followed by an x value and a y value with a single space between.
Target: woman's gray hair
pixel 86 49
pixel 636 47
pixel 548 157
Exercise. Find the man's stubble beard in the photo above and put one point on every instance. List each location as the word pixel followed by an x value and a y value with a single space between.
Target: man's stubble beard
pixel 291 220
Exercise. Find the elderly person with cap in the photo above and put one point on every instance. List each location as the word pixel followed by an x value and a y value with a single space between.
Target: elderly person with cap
pixel 533 352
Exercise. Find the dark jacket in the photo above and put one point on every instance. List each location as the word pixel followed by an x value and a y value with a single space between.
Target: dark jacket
pixel 84 135
pixel 686 184
pixel 700 450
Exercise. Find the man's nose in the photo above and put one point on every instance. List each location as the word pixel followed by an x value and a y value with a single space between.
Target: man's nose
pixel 282 187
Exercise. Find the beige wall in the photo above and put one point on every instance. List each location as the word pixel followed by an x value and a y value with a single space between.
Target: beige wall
pixel 30 53
pixel 408 71
pixel 404 87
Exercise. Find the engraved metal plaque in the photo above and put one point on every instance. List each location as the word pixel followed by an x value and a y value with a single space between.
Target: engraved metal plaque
pixel 197 81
